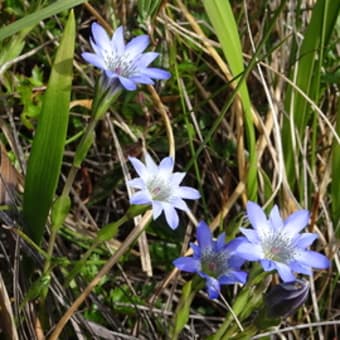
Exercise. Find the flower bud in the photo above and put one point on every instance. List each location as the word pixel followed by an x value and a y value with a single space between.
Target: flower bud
pixel 285 298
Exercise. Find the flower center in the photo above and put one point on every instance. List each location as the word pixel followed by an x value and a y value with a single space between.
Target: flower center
pixel 119 64
pixel 213 263
pixel 278 247
pixel 159 188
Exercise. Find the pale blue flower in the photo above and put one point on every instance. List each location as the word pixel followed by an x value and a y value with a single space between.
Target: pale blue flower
pixel 278 244
pixel 215 261
pixel 125 62
pixel 160 187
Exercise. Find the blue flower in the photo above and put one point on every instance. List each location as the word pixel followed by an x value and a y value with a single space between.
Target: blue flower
pixel 160 187
pixel 215 261
pixel 277 244
pixel 125 62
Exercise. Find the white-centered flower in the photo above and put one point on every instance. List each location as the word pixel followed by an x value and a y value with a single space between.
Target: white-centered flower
pixel 160 187
pixel 124 62
pixel 278 244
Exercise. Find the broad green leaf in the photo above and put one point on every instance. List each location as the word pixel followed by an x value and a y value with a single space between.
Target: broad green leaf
pixel 45 160
pixel 221 16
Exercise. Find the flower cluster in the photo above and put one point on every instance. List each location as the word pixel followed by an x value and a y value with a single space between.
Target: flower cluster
pixel 276 243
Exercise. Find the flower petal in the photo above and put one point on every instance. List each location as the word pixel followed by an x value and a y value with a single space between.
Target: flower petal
pixel 156 73
pixel 117 40
pixel 150 164
pixel 250 251
pixel 136 183
pixel 187 264
pixel 166 165
pixel 204 236
pixel 127 83
pixel 275 219
pixel 136 46
pixel 139 167
pixel 157 208
pixel 285 272
pixel 233 277
pixel 177 178
pixel 296 222
pixel 188 193
pixel 213 287
pixel 258 219
pixel 179 203
pixel 305 240
pixel 313 259
pixel 171 215
pixel 100 37
pixel 141 197
pixel 196 249
pixel 250 234
pixel 146 59
pixel 94 60
pixel 220 242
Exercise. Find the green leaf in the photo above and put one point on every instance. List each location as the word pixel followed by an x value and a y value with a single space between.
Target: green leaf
pixel 37 16
pixel 307 69
pixel 221 16
pixel 45 160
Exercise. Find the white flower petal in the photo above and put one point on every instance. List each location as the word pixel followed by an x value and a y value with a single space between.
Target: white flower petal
pixel 171 215
pixel 179 203
pixel 285 272
pixel 188 193
pixel 177 178
pixel 258 219
pixel 139 167
pixel 157 209
pixel 166 165
pixel 141 197
pixel 275 219
pixel 150 164
pixel 137 183
pixel 127 83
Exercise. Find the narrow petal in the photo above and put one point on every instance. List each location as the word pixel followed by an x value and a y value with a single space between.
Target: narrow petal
pixel 146 59
pixel 313 259
pixel 305 240
pixel 220 242
pixel 100 37
pixel 136 183
pixel 177 178
pixel 156 73
pixel 234 244
pixel 250 234
pixel 196 249
pixel 204 236
pixel 127 83
pixel 188 193
pixel 179 203
pixel 141 79
pixel 233 277
pixel 141 197
pixel 296 222
pixel 187 264
pixel 171 215
pixel 285 272
pixel 94 60
pixel 275 219
pixel 166 165
pixel 138 166
pixel 150 164
pixel 136 46
pixel 268 265
pixel 250 251
pixel 117 40
pixel 257 218
pixel 301 268
pixel 213 287
pixel 157 209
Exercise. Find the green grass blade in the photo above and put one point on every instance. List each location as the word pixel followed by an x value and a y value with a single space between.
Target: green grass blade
pixel 221 16
pixel 37 16
pixel 308 67
pixel 48 145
